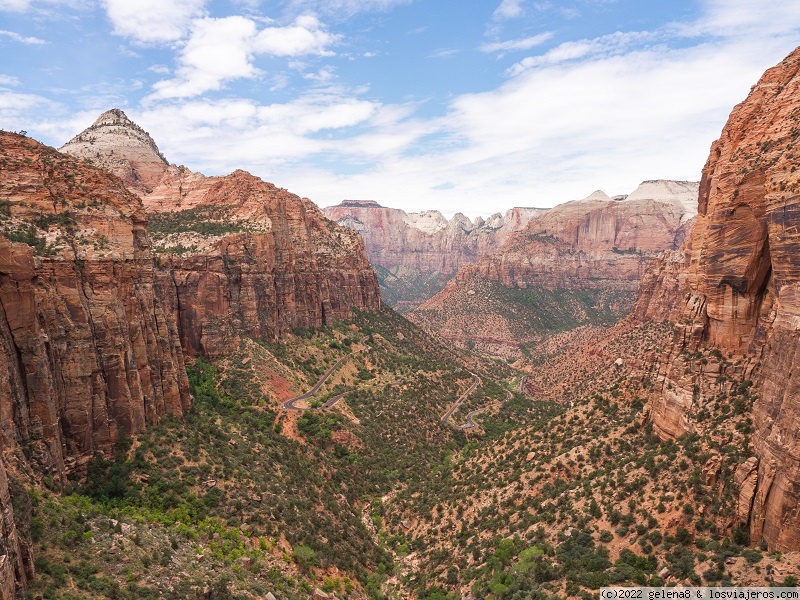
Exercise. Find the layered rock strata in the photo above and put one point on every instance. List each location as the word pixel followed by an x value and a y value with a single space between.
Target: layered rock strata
pixel 427 240
pixel 236 256
pixel 87 350
pixel 595 242
pixel 239 256
pixel 742 297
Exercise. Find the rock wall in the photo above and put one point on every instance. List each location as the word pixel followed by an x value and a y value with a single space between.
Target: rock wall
pixel 426 241
pixel 593 243
pixel 276 263
pixel 87 351
pixel 743 293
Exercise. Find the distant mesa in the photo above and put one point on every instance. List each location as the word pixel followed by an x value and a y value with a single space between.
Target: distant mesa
pixel 360 204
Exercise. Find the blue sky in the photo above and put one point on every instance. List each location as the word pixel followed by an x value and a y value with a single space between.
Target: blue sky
pixel 471 106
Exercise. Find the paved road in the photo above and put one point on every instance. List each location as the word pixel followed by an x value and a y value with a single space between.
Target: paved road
pixel 522 384
pixel 457 403
pixel 470 424
pixel 289 404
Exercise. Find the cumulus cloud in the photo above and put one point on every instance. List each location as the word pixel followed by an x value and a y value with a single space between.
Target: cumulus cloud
pixel 306 36
pixel 19 38
pixel 236 133
pixel 219 50
pixel 519 44
pixel 153 21
pixel 508 9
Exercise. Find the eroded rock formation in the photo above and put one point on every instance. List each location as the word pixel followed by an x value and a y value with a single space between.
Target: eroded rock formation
pixel 742 296
pixel 416 253
pixel 239 256
pixel 235 255
pixel 427 240
pixel 595 242
pixel 87 349
pixel 575 264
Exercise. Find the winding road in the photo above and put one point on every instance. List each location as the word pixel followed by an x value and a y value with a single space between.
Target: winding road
pixel 457 403
pixel 470 424
pixel 289 404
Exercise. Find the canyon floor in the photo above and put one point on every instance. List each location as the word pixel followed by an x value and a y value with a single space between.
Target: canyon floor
pixel 552 494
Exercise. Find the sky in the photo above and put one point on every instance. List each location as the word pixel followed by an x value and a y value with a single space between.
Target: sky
pixel 471 106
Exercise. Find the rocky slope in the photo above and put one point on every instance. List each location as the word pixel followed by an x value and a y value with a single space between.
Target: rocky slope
pixel 740 302
pixel 586 256
pixel 87 349
pixel 416 253
pixel 236 255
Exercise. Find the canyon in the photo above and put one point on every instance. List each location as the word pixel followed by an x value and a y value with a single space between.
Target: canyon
pixel 737 293
pixel 96 318
pixel 582 261
pixel 646 398
pixel 415 254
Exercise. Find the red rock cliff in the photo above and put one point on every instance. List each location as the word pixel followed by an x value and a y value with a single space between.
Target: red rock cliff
pixel 87 350
pixel 273 264
pixel 236 255
pixel 593 243
pixel 743 293
pixel 426 241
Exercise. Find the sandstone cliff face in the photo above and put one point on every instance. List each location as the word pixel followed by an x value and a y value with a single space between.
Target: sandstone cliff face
pixel 575 264
pixel 273 263
pixel 87 350
pixel 416 253
pixel 116 144
pixel 235 255
pixel 425 241
pixel 743 294
pixel 665 282
pixel 595 242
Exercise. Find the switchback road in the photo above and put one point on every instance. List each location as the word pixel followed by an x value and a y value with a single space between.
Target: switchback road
pixel 289 404
pixel 457 403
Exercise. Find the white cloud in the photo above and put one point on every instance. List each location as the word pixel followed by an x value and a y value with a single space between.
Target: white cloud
pixel 444 52
pixel 15 5
pixel 8 80
pixel 508 9
pixel 160 69
pixel 324 74
pixel 520 44
pixel 263 138
pixel 607 45
pixel 745 17
pixel 153 21
pixel 306 36
pixel 21 39
pixel 219 50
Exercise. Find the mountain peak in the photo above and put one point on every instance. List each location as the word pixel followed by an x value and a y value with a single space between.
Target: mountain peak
pixel 115 116
pixel 117 144
pixel 598 195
